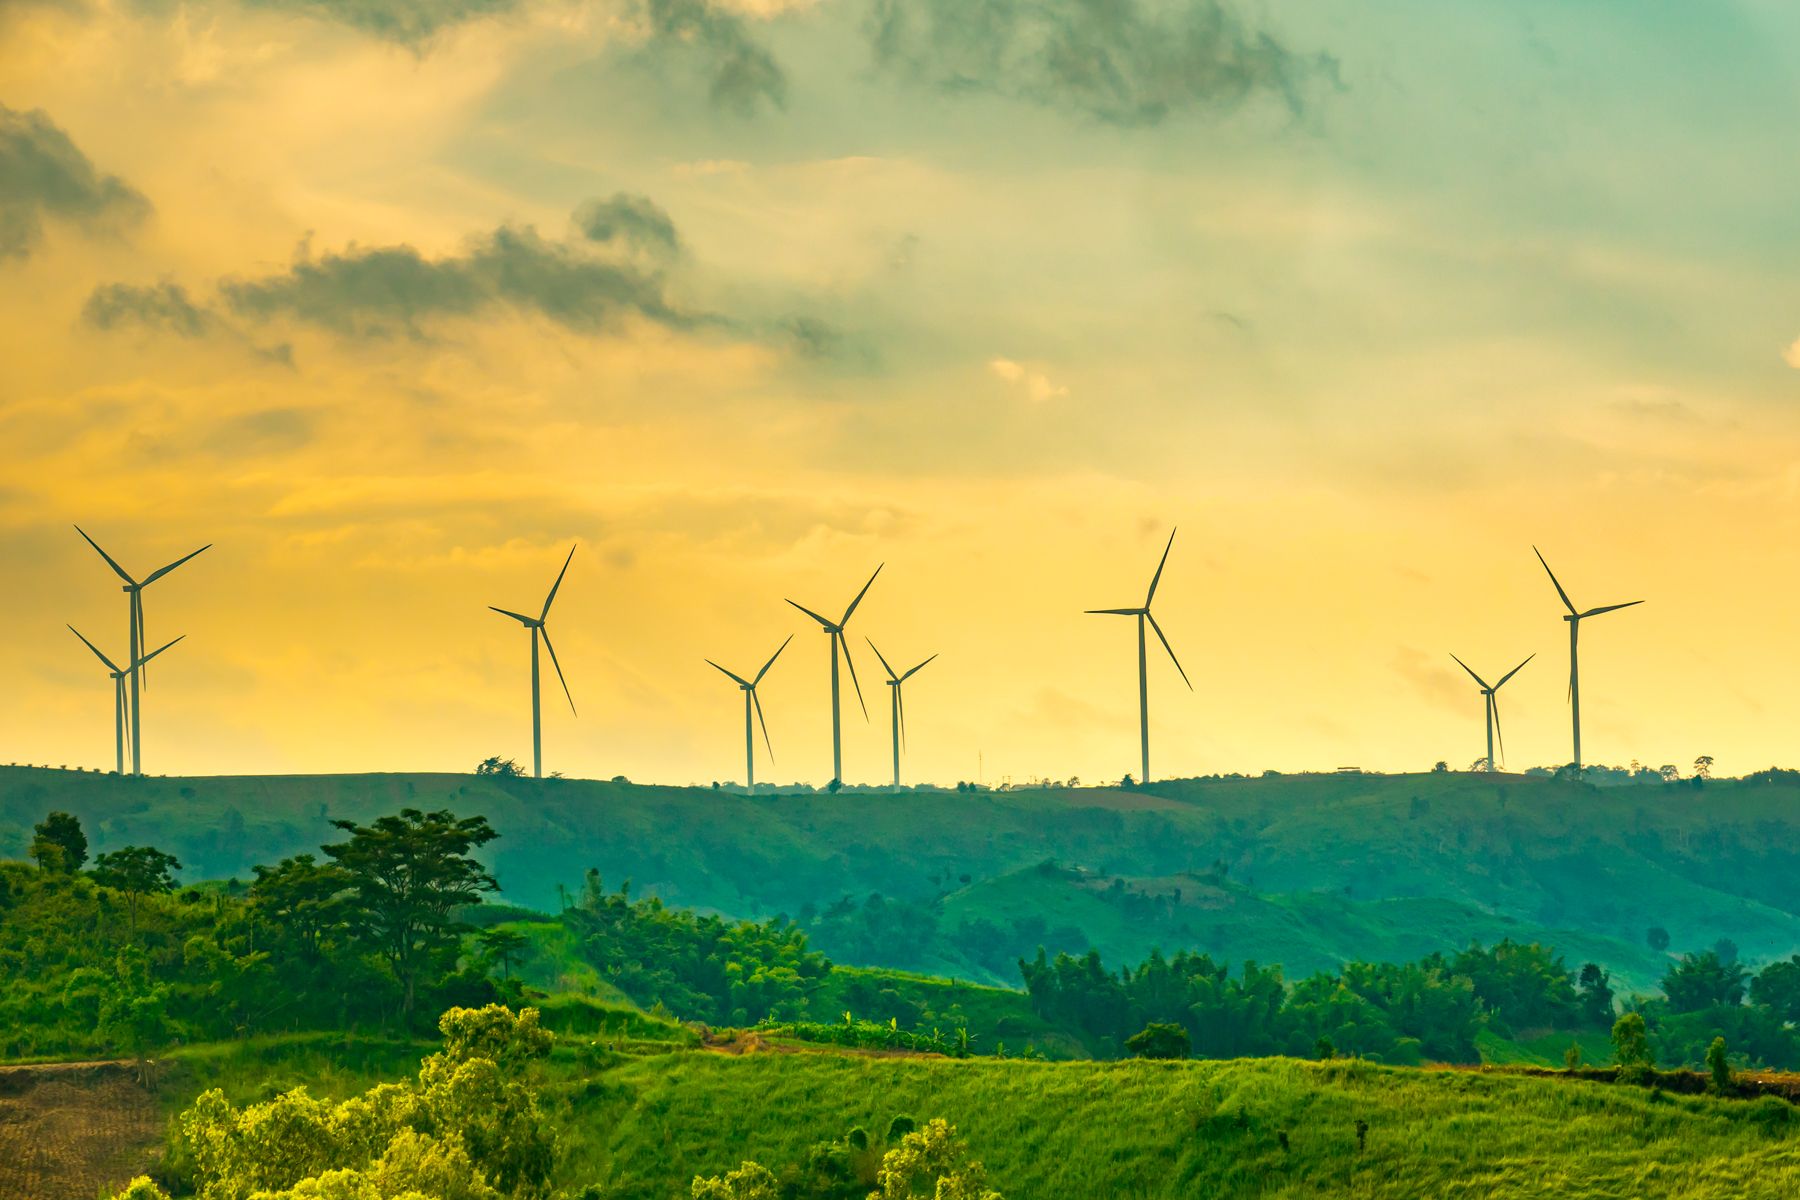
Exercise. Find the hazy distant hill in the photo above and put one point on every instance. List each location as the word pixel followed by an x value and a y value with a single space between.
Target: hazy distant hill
pixel 1318 867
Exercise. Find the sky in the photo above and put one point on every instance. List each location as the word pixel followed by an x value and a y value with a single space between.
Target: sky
pixel 394 303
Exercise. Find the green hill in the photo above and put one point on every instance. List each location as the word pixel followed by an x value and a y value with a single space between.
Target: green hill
pixel 1317 868
pixel 639 1122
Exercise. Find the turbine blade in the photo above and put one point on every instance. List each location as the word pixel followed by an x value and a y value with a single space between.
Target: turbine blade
pixel 900 703
pixel 1594 612
pixel 1552 574
pixel 109 662
pixel 1499 736
pixel 1512 672
pixel 765 725
pixel 519 617
pixel 858 599
pixel 1113 612
pixel 1157 578
pixel 815 616
pixel 884 661
pixel 154 653
pixel 845 642
pixel 545 615
pixel 1473 675
pixel 910 674
pixel 156 575
pixel 771 661
pixel 1170 649
pixel 143 639
pixel 559 674
pixel 103 554
pixel 709 662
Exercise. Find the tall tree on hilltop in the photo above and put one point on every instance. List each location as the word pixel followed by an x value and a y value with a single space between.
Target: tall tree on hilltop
pixel 409 873
pixel 59 845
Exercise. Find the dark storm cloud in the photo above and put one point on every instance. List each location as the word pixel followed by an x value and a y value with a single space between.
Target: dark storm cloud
pixel 742 69
pixel 1129 62
pixel 386 290
pixel 405 21
pixel 164 306
pixel 626 220
pixel 44 174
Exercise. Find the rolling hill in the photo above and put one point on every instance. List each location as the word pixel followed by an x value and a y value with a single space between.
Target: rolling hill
pixel 1304 870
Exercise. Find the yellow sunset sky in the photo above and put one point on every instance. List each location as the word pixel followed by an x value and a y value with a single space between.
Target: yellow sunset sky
pixel 394 302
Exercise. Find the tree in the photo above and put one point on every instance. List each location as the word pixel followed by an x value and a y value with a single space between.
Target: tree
pixel 506 768
pixel 136 871
pixel 934 1157
pixel 1596 1005
pixel 1726 949
pixel 503 946
pixel 1670 772
pixel 1657 938
pixel 410 872
pixel 1720 1067
pixel 1631 1043
pixel 1778 987
pixel 1703 766
pixel 59 845
pixel 305 900
pixel 751 1181
pixel 1439 767
pixel 1702 981
pixel 1159 1041
pixel 134 1012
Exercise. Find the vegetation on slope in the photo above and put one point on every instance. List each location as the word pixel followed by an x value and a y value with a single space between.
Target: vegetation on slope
pixel 1316 863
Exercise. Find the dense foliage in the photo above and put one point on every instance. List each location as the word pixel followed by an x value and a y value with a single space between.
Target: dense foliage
pixel 469 1128
pixel 117 959
pixel 698 967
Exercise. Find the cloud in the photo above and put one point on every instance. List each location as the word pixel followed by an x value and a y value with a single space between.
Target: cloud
pixel 392 289
pixel 164 306
pixel 637 222
pixel 1437 684
pixel 1128 62
pixel 1792 355
pixel 1036 385
pixel 744 72
pixel 404 21
pixel 44 174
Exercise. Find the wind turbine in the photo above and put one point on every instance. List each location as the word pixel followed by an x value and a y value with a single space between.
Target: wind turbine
pixel 836 631
pixel 749 690
pixel 118 678
pixel 536 625
pixel 135 590
pixel 897 708
pixel 1142 615
pixel 1574 618
pixel 1492 705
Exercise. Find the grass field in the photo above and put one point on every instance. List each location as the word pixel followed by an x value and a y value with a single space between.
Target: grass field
pixel 639 1125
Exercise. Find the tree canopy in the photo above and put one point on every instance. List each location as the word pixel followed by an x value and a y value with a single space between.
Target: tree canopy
pixel 410 872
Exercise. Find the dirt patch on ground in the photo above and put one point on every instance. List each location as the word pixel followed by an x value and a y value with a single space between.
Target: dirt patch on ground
pixel 69 1129
pixel 748 1041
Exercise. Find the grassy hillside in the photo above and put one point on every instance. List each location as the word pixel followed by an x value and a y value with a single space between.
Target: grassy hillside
pixel 640 1120
pixel 1320 867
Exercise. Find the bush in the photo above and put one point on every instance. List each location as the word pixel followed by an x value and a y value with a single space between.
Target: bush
pixel 1159 1041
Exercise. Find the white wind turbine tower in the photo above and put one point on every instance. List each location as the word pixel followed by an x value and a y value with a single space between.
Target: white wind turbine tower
pixel 118 678
pixel 1142 615
pixel 537 626
pixel 836 632
pixel 748 686
pixel 897 705
pixel 1491 704
pixel 1575 618
pixel 135 590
